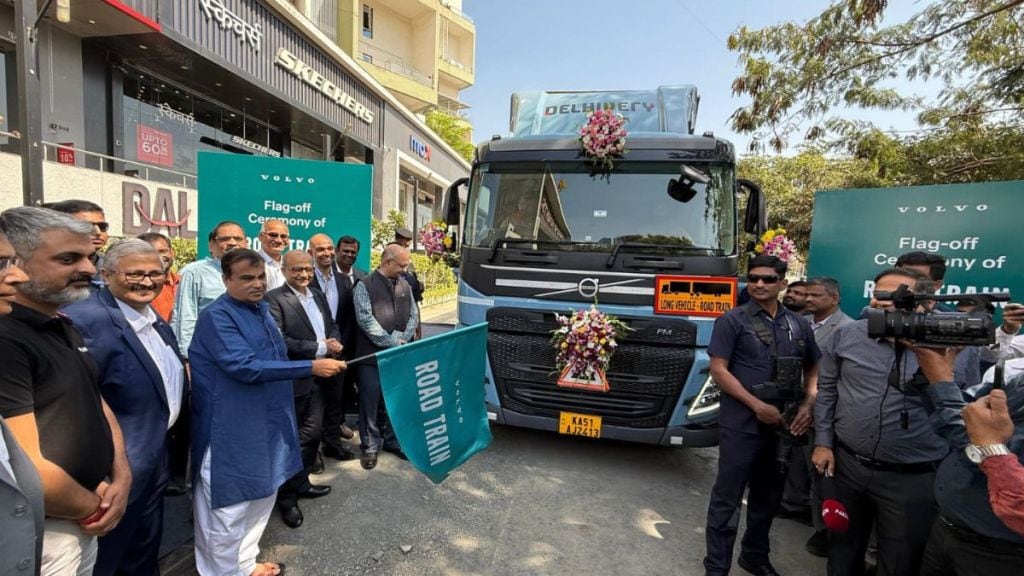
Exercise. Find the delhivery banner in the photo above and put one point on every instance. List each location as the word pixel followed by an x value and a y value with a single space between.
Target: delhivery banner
pixel 434 393
pixel 310 196
pixel 976 227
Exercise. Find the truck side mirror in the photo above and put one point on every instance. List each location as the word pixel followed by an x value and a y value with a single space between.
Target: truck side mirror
pixel 755 220
pixel 452 208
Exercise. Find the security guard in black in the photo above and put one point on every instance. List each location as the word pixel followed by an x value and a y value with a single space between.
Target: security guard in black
pixel 745 347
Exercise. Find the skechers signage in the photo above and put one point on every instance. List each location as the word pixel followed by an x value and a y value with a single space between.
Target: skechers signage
pixel 307 74
pixel 422 149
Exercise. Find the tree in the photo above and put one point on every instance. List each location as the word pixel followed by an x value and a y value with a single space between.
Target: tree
pixel 453 130
pixel 790 182
pixel 797 75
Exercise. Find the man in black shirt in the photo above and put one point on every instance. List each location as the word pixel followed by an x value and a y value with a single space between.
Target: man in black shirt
pixel 49 394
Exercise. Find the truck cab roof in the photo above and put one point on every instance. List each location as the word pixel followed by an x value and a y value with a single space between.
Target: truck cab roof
pixel 641 146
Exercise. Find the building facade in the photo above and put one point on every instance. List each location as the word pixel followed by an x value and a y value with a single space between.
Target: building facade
pixel 133 90
pixel 423 51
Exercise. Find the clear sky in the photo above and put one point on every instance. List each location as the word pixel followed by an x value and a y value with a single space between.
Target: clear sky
pixel 616 44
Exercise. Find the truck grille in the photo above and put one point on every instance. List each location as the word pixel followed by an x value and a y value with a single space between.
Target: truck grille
pixel 646 375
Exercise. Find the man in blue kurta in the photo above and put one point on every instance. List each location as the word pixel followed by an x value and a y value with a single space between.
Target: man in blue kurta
pixel 244 434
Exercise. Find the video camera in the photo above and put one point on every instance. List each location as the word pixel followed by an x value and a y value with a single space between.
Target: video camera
pixel 937 329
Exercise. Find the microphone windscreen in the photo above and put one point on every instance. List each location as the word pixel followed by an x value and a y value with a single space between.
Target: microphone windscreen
pixel 834 515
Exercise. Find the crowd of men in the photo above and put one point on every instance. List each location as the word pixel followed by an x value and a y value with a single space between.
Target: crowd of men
pixel 922 451
pixel 125 382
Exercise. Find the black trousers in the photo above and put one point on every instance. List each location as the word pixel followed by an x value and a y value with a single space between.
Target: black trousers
pixel 178 442
pixel 802 490
pixel 900 506
pixel 339 399
pixel 309 410
pixel 950 552
pixel 745 462
pixel 375 430
pixel 132 548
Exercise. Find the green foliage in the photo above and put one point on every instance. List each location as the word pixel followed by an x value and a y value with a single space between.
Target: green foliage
pixel 382 232
pixel 973 50
pixel 453 130
pixel 790 183
pixel 184 252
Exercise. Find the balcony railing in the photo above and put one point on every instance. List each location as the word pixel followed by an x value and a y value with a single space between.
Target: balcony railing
pixel 457 64
pixel 393 63
pixel 456 12
pixel 52 152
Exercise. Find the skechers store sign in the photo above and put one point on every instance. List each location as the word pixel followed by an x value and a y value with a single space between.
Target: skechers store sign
pixel 308 75
pixel 421 149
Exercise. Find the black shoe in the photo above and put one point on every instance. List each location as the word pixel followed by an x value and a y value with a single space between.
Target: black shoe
pixel 817 544
pixel 175 488
pixel 368 460
pixel 318 464
pixel 342 454
pixel 397 452
pixel 315 492
pixel 765 569
pixel 292 516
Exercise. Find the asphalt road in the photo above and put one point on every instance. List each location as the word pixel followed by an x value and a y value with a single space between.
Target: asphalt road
pixel 533 503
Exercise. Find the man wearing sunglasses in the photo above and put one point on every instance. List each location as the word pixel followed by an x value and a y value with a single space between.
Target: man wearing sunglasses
pixel 93 214
pixel 748 347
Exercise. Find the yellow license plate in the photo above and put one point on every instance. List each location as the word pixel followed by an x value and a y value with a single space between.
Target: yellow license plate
pixel 579 424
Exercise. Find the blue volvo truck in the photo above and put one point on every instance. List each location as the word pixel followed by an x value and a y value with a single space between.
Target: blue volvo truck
pixel 652 240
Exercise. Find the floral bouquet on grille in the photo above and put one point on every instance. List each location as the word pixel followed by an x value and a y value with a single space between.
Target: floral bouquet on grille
pixel 438 243
pixel 603 138
pixel 775 243
pixel 584 344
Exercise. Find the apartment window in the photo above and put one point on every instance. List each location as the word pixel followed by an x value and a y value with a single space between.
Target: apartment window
pixel 367 21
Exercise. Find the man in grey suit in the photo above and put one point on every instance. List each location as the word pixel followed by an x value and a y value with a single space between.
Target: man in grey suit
pixel 21 491
pixel 822 303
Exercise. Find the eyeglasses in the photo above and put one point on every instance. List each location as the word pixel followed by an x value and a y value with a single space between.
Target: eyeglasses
pixel 102 226
pixel 276 235
pixel 767 279
pixel 301 269
pixel 7 262
pixel 222 239
pixel 136 276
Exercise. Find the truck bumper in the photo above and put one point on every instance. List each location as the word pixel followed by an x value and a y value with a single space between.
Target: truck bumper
pixel 690 436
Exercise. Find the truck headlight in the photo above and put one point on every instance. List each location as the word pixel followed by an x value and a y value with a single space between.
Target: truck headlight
pixel 706 400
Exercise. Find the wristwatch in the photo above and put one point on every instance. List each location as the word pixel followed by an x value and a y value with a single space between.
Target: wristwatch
pixel 978 453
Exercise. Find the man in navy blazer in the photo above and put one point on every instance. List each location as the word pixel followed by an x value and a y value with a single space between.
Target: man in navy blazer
pixel 303 315
pixel 142 378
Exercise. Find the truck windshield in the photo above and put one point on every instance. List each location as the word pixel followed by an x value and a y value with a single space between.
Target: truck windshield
pixel 565 202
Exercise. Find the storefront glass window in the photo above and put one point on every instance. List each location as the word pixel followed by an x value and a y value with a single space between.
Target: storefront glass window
pixel 166 126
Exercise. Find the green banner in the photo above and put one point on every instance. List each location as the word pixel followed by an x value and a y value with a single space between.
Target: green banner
pixel 976 227
pixel 434 392
pixel 309 196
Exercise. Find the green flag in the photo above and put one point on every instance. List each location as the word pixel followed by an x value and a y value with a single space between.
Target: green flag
pixel 434 392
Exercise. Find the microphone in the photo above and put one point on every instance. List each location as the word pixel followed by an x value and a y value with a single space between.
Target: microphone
pixel 833 513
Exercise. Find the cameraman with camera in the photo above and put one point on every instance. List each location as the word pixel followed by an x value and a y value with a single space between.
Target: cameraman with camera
pixel 872 433
pixel 764 358
pixel 969 537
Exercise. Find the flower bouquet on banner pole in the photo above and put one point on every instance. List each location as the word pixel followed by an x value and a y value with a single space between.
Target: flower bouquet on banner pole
pixel 584 342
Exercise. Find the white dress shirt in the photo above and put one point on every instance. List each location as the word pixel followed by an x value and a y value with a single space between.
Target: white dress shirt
pixel 5 459
pixel 275 276
pixel 171 370
pixel 315 318
pixel 329 286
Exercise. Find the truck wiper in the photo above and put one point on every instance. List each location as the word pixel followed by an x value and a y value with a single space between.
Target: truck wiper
pixel 496 244
pixel 676 247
